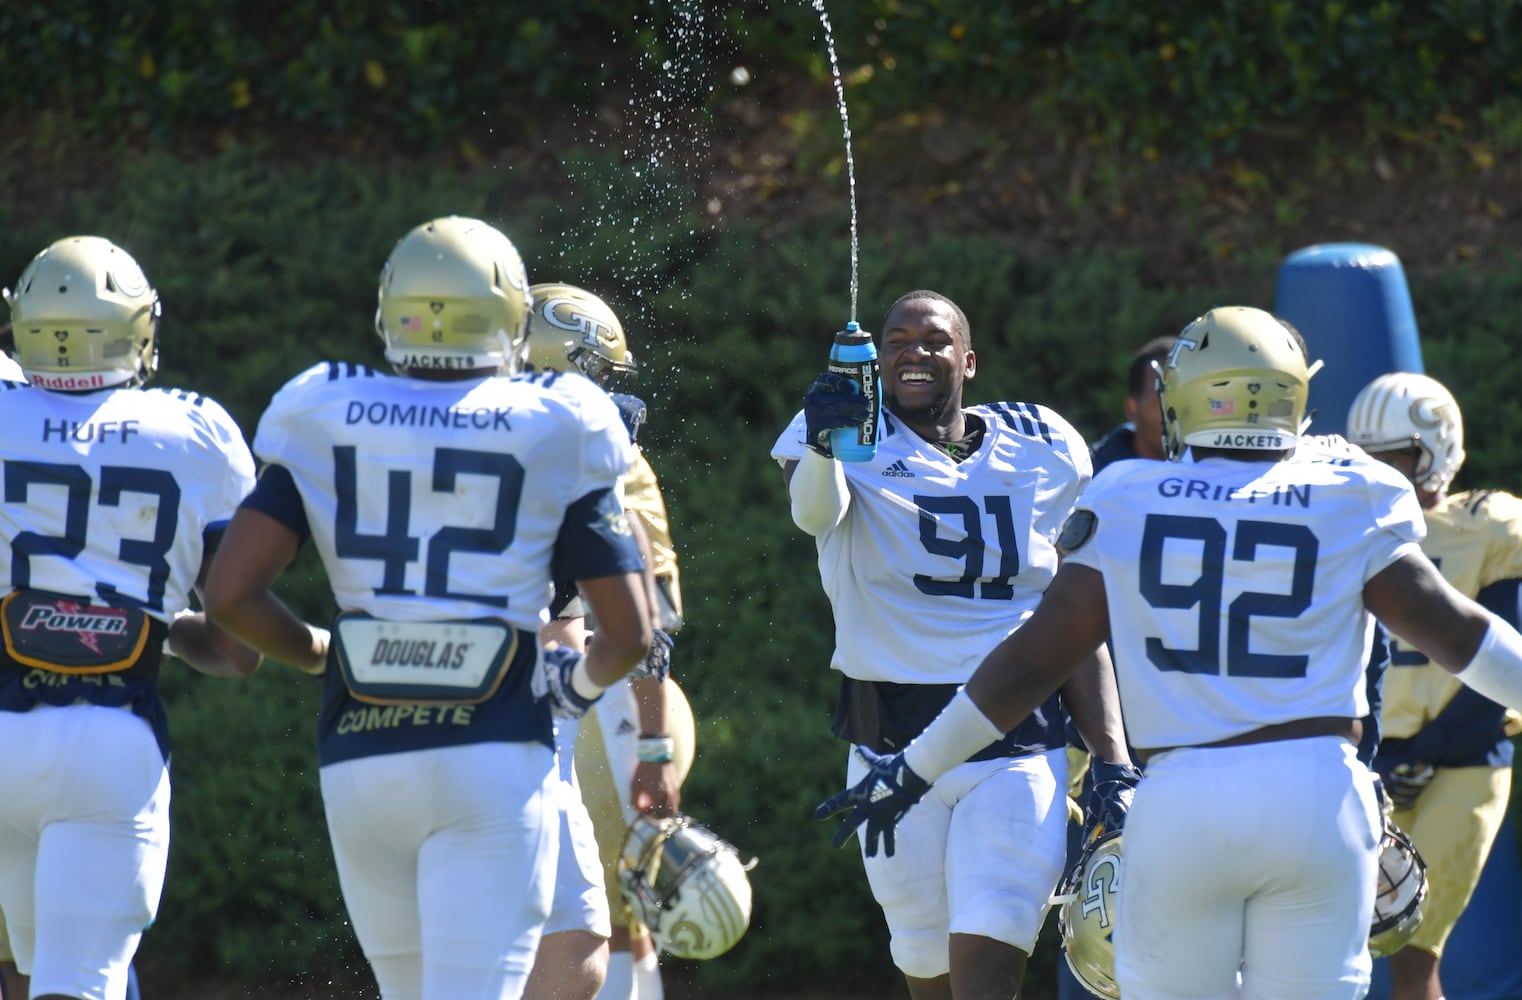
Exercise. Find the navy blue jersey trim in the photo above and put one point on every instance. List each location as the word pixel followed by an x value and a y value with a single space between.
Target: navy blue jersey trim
pixel 193 398
pixel 594 540
pixel 348 369
pixel 1024 419
pixel 1503 599
pixel 276 495
pixel 1033 416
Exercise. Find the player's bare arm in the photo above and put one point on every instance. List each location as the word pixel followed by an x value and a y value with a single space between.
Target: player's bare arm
pixel 620 608
pixel 655 788
pixel 207 646
pixel 1093 701
pixel 1414 600
pixel 1067 627
pixel 255 550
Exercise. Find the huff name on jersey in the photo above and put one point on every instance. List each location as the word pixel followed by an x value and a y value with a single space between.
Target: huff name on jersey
pixel 65 431
pixel 427 416
pixel 1288 495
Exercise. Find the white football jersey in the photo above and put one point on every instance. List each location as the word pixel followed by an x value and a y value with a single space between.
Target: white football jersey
pixel 1235 589
pixel 431 500
pixel 108 495
pixel 9 370
pixel 936 561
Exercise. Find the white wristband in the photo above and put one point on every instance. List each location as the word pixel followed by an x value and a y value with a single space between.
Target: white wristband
pixel 1496 670
pixel 582 682
pixel 960 731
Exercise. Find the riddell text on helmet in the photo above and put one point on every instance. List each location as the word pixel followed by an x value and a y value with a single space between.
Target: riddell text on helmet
pixel 93 380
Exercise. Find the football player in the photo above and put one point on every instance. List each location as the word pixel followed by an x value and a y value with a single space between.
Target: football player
pixel 114 497
pixel 442 501
pixel 635 747
pixel 1139 436
pixel 1446 757
pixel 930 553
pixel 1237 583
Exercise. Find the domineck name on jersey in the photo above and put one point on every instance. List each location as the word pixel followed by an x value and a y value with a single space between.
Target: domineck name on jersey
pixel 1235 589
pixel 937 560
pixel 433 500
pixel 109 494
pixel 1475 540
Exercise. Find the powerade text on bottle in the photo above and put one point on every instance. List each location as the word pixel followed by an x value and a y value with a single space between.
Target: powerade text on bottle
pixel 855 356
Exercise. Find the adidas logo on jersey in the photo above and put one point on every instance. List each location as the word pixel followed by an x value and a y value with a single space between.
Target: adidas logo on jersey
pixel 625 727
pixel 898 469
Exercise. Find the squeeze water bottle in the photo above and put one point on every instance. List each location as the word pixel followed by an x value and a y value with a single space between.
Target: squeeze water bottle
pixel 855 356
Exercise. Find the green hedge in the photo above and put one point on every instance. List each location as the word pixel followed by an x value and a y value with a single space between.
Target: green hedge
pixel 455 74
pixel 264 269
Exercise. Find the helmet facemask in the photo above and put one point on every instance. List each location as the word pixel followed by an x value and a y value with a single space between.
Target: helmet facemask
pixel 687 885
pixel 1401 894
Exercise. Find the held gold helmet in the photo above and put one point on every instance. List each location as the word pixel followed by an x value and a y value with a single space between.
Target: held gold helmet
pixel 1405 410
pixel 83 316
pixel 454 295
pixel 1235 379
pixel 572 325
pixel 1086 917
pixel 1401 896
pixel 684 883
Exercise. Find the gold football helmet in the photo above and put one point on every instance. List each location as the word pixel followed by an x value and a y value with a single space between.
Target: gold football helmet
pixel 572 325
pixel 1406 410
pixel 684 883
pixel 1235 379
pixel 1401 896
pixel 1086 917
pixel 83 316
pixel 454 294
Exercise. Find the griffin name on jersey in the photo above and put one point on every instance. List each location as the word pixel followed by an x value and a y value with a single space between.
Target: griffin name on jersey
pixel 411 487
pixel 1329 521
